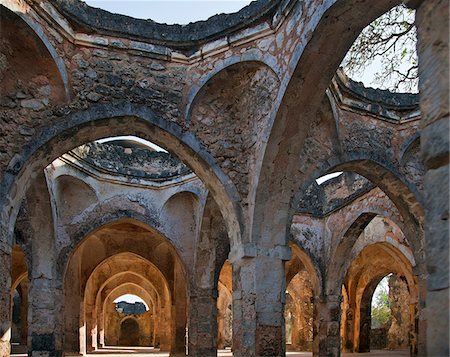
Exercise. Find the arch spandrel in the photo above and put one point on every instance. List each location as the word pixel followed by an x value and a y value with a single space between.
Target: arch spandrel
pixel 287 133
pixel 114 120
pixel 353 244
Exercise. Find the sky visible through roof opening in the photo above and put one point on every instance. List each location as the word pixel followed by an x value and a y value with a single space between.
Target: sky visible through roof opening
pixel 186 11
pixel 170 11
pixel 132 138
pixel 131 299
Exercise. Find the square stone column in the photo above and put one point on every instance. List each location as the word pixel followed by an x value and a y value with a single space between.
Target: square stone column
pixel 5 299
pixel 178 338
pixel 432 20
pixel 45 328
pixel 259 286
pixel 164 328
pixel 203 323
pixel 327 320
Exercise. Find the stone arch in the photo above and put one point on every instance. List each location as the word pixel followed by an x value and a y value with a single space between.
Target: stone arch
pixel 73 196
pixel 130 288
pixel 404 195
pixel 110 268
pixel 334 28
pixel 221 66
pixel 106 120
pixel 145 244
pixel 147 335
pixel 220 111
pixel 299 312
pixel 313 270
pixel 20 15
pixel 155 293
pixel 363 277
pixel 344 253
pixel 99 221
pixel 365 316
pixel 303 285
pixel 133 284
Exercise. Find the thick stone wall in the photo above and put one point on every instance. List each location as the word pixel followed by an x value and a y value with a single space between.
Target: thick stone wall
pixel 433 48
pixel 253 111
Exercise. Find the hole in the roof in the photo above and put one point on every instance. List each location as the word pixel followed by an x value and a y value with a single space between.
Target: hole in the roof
pixel 327 177
pixel 131 304
pixel 131 139
pixel 384 55
pixel 170 11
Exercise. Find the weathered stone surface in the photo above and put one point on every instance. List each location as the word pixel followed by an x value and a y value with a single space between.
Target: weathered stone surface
pixel 249 110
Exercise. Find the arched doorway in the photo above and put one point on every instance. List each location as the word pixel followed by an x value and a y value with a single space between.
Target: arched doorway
pixel 373 318
pixel 129 332
pixel 119 258
pixel 302 289
pixel 19 301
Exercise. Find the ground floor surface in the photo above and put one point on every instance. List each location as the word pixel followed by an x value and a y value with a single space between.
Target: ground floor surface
pixel 152 352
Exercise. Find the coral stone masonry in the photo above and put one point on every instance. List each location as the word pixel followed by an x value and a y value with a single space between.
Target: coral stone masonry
pixel 225 235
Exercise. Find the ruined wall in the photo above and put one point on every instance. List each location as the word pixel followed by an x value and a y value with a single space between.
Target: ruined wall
pixel 117 334
pixel 237 108
pixel 398 335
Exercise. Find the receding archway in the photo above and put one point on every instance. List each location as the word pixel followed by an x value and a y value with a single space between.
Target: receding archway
pixel 124 256
pixel 302 290
pixel 373 263
pixel 19 300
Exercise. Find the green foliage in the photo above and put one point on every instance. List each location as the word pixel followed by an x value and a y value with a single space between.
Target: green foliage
pixel 390 42
pixel 381 309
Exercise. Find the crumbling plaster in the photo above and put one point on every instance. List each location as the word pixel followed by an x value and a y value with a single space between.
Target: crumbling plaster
pixel 251 171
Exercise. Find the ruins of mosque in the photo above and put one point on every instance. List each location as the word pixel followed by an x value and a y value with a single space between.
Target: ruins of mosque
pixel 188 166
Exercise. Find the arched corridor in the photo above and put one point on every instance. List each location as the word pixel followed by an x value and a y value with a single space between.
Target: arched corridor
pixel 220 188
pixel 124 257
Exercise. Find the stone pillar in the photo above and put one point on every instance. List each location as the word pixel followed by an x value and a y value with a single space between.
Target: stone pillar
pixel 91 327
pixel 44 331
pixel 5 299
pixel 164 329
pixel 45 295
pixel 327 319
pixel 220 329
pixel 178 347
pixel 203 323
pixel 24 312
pixel 365 324
pixel 421 318
pixel 432 20
pixel 82 330
pixel 259 286
pixel 101 328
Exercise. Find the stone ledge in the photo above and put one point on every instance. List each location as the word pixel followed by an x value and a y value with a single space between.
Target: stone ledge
pixel 183 37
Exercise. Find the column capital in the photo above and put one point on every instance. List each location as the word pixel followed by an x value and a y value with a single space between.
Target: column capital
pixel 251 250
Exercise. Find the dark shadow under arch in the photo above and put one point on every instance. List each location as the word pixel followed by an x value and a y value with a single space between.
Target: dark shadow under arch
pixel 129 332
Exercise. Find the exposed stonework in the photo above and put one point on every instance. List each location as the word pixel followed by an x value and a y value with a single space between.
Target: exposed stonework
pixel 252 110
